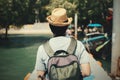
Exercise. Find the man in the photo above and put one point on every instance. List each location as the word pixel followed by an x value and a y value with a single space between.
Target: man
pixel 59 22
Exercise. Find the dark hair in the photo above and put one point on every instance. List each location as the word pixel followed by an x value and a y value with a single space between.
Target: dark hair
pixel 57 30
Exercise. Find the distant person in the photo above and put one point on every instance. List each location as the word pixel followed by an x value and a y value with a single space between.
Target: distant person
pixel 69 33
pixel 86 31
pixel 59 22
pixel 109 24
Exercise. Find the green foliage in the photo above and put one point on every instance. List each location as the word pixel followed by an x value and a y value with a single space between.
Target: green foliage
pixel 70 5
pixel 5 12
pixel 19 12
pixel 16 12
pixel 93 10
pixel 86 9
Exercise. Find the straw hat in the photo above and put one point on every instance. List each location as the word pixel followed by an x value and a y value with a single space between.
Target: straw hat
pixel 59 18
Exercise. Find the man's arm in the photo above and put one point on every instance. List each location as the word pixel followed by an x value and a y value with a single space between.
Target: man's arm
pixel 40 65
pixel 84 60
pixel 85 69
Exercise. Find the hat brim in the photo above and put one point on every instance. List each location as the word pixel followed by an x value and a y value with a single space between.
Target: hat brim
pixel 60 24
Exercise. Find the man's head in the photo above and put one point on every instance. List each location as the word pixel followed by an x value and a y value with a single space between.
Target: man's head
pixel 59 21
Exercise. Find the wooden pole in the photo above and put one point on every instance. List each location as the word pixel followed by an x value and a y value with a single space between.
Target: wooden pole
pixel 76 26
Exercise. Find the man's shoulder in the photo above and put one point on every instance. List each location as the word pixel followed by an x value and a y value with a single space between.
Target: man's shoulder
pixel 41 46
pixel 79 42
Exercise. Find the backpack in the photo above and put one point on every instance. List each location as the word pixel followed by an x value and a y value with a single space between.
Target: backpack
pixel 63 65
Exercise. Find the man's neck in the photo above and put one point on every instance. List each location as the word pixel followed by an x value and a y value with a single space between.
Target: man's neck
pixel 59 35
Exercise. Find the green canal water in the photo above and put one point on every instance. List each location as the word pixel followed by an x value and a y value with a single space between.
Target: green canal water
pixel 18 54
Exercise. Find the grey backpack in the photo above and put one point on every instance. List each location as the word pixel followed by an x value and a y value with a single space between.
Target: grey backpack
pixel 63 65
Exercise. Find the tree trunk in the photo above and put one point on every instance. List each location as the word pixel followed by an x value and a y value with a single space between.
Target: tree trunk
pixel 6 32
pixel 116 36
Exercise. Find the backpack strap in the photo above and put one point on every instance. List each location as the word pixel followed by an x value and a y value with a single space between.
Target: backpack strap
pixel 48 49
pixel 71 49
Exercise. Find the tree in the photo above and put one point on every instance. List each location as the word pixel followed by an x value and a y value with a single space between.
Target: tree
pixel 23 11
pixel 93 10
pixel 16 12
pixel 42 10
pixel 115 65
pixel 5 14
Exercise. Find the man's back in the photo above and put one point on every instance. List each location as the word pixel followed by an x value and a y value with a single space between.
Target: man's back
pixel 60 43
